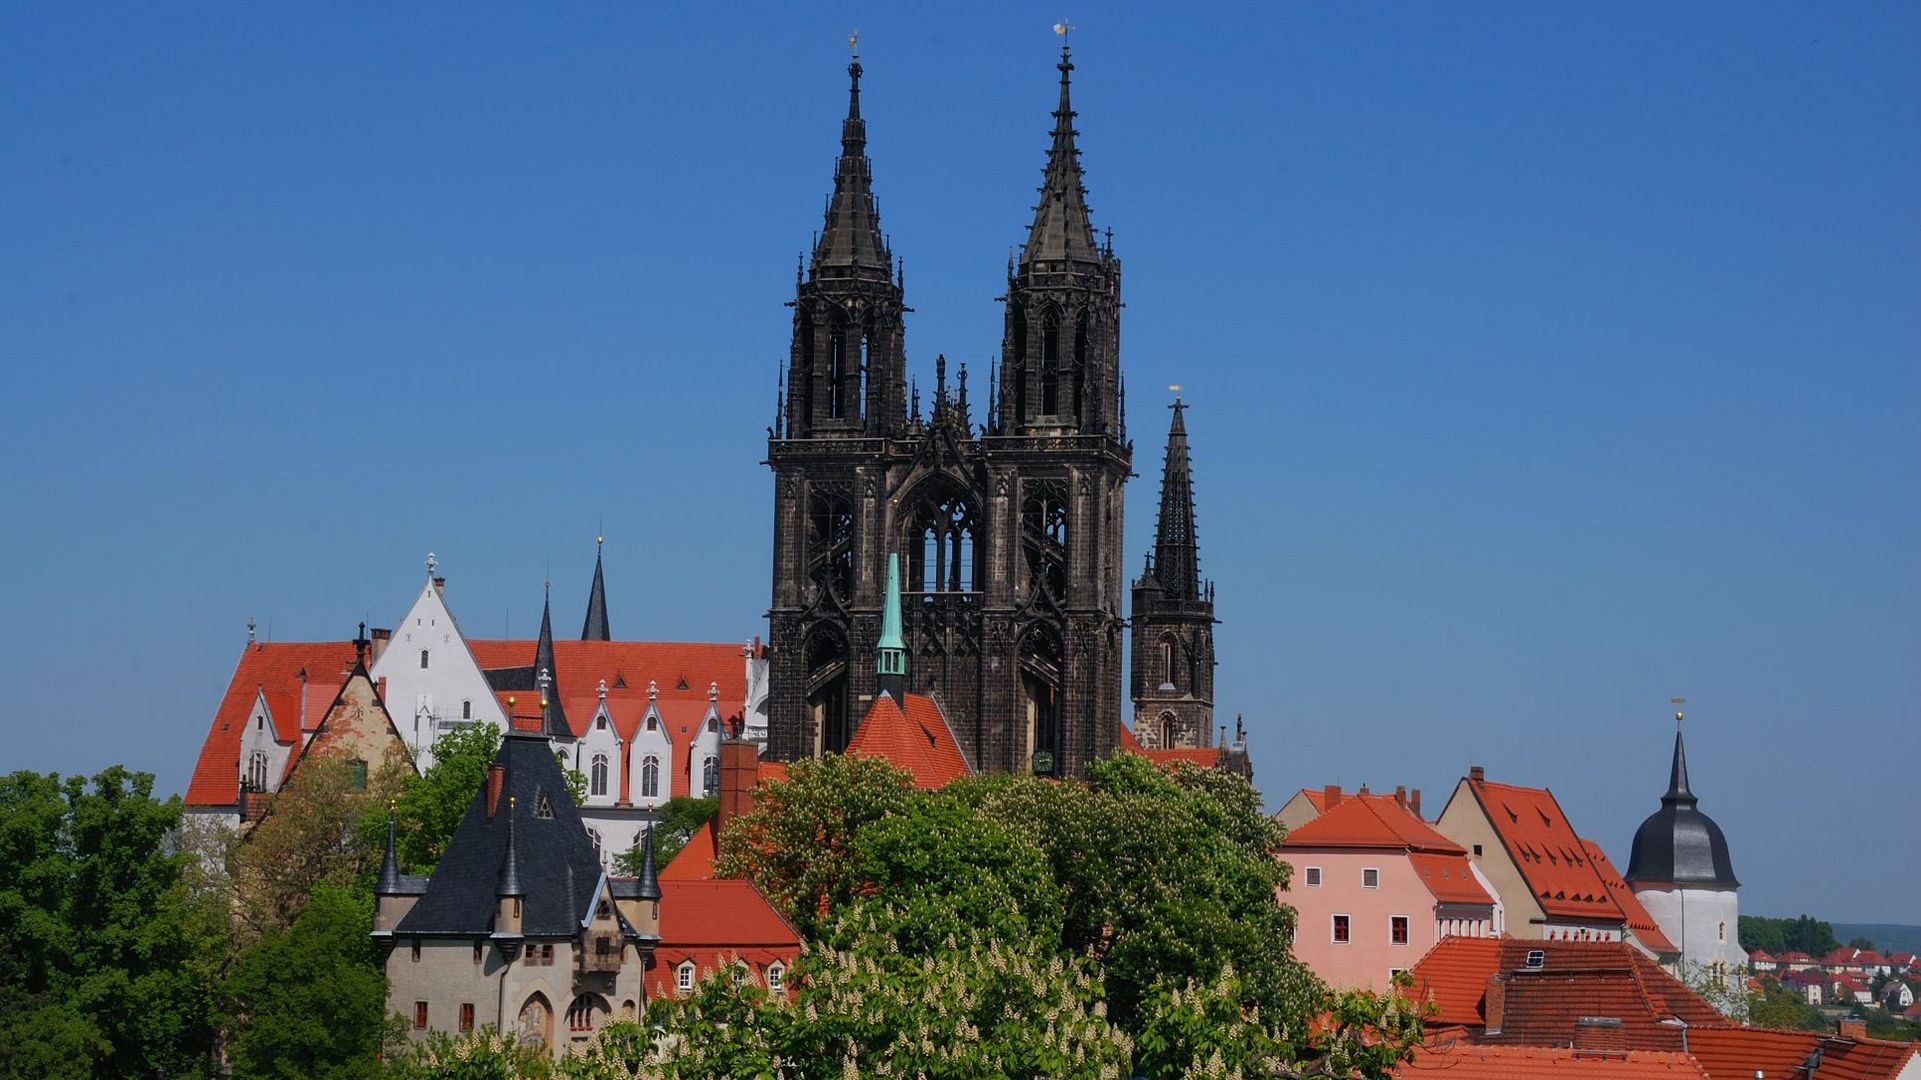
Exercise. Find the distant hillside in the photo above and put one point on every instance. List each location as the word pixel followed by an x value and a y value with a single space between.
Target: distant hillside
pixel 1891 937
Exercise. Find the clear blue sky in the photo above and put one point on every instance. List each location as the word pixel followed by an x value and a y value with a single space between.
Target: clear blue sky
pixel 1546 360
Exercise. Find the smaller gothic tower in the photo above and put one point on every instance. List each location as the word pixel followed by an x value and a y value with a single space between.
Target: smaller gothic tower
pixel 1680 870
pixel 595 627
pixel 1173 627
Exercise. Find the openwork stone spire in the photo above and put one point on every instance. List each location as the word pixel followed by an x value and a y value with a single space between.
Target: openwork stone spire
pixel 1062 230
pixel 850 243
pixel 1176 554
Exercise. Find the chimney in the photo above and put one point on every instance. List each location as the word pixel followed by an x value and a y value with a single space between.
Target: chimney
pixel 440 586
pixel 1600 1035
pixel 496 779
pixel 1330 797
pixel 1494 1004
pixel 739 772
pixel 1476 773
pixel 381 639
pixel 1400 796
pixel 1414 802
pixel 1851 1027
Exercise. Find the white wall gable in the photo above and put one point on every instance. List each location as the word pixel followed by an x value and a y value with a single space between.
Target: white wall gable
pixel 263 757
pixel 651 741
pixel 703 758
pixel 601 741
pixel 434 684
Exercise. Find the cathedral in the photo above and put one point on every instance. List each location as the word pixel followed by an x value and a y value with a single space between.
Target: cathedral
pixel 1005 508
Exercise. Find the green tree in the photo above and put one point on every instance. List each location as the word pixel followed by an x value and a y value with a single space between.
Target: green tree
pixel 431 805
pixel 103 950
pixel 311 1000
pixel 680 818
pixel 313 835
pixel 1862 943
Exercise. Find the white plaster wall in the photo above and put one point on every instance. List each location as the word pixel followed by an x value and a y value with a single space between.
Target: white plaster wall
pixel 1692 919
pixel 706 747
pixel 601 739
pixel 261 738
pixel 424 702
pixel 651 740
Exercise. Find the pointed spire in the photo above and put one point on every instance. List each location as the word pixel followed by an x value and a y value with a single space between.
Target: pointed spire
pixel 553 719
pixel 1177 564
pixel 389 882
pixel 1678 791
pixel 891 665
pixel 595 628
pixel 850 243
pixel 1061 229
pixel 508 881
pixel 648 887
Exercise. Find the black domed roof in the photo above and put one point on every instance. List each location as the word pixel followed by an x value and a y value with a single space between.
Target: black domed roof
pixel 1678 844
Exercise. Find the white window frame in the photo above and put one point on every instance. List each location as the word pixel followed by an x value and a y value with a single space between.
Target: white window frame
pixel 1311 877
pixel 684 977
pixel 776 977
pixel 1374 870
pixel 1407 934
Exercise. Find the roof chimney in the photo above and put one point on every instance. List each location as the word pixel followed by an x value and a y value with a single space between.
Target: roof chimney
pixel 1851 1027
pixel 1414 802
pixel 739 772
pixel 378 639
pixel 1400 796
pixel 496 779
pixel 440 586
pixel 1476 773
pixel 1330 797
pixel 1495 1004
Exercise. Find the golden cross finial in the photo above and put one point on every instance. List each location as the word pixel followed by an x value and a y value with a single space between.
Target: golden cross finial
pixel 853 42
pixel 1677 702
pixel 1063 28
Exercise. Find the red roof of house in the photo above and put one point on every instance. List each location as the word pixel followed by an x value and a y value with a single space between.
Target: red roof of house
pixel 1736 1053
pixel 681 672
pixel 713 923
pixel 1849 983
pixel 1639 922
pixel 1795 956
pixel 1449 878
pixel 695 861
pixel 1371 821
pixel 915 740
pixel 1575 979
pixel 1841 956
pixel 1547 852
pixel 1761 956
pixel 272 669
pixel 1461 1061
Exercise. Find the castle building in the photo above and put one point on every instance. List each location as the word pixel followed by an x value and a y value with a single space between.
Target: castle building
pixel 1010 528
pixel 1173 626
pixel 1680 870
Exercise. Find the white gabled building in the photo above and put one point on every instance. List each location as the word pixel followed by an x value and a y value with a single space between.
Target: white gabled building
pixel 431 681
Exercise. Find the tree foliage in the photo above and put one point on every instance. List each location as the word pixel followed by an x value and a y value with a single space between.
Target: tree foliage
pixel 680 818
pixel 315 834
pixel 103 949
pixel 1804 934
pixel 431 804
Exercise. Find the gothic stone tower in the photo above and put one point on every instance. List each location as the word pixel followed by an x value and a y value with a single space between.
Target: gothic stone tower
pixel 1173 646
pixel 1009 532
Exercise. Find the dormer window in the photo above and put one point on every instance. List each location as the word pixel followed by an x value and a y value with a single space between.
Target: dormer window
pixel 713 723
pixel 775 976
pixel 467 710
pixel 653 723
pixel 544 807
pixel 684 977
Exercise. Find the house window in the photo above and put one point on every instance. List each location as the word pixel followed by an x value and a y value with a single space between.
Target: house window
pixel 1313 876
pixel 650 777
pixel 1341 935
pixel 684 976
pixel 423 659
pixel 357 775
pixel 600 774
pixel 740 974
pixel 580 1015
pixel 1370 878
pixel 257 771
pixel 1395 973
pixel 775 973
pixel 544 807
pixel 1397 930
pixel 480 950
pixel 467 710
pixel 1723 933
pixel 416 950
pixel 1477 851
pixel 709 776
pixel 466 1016
pixel 420 1016
pixel 594 835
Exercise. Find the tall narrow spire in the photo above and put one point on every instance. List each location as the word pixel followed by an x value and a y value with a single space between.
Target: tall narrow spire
pixel 1062 229
pixel 595 628
pixel 891 666
pixel 546 674
pixel 389 881
pixel 1678 790
pixel 648 887
pixel 1176 554
pixel 507 882
pixel 850 243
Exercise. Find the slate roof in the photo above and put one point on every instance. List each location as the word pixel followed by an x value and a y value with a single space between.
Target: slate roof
pixel 1461 1061
pixel 595 627
pixel 1062 230
pixel 1678 843
pixel 555 862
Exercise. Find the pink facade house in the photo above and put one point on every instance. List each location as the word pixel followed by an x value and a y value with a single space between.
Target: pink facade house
pixel 1374 887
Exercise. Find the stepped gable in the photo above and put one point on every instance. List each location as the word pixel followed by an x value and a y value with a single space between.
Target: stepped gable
pixel 552 858
pixel 269 669
pixel 915 739
pixel 1546 850
pixel 1639 922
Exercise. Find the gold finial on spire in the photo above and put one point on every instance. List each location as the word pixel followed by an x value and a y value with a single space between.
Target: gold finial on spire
pixel 1677 702
pixel 1062 28
pixel 853 42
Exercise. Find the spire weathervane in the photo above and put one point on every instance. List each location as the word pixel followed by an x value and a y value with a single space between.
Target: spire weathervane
pixel 1062 29
pixel 1677 702
pixel 853 43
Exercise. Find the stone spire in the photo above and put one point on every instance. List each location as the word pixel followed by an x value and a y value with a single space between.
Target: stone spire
pixel 850 243
pixel 595 628
pixel 1176 554
pixel 1678 791
pixel 1061 229
pixel 892 664
pixel 553 721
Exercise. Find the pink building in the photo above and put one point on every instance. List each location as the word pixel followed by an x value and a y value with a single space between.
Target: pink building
pixel 1374 887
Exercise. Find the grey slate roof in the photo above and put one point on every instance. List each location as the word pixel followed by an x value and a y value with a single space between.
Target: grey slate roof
pixel 553 860
pixel 595 628
pixel 850 242
pixel 1061 229
pixel 1679 844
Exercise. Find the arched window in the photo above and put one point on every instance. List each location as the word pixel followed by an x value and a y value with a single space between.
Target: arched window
pixel 1040 680
pixel 684 977
pixel 830 528
pixel 536 1023
pixel 650 777
pixel 709 776
pixel 653 723
pixel 776 976
pixel 1170 659
pixel 1050 364
pixel 1017 331
pixel 582 1013
pixel 1170 730
pixel 599 775
pixel 941 552
pixel 805 333
pixel 1081 345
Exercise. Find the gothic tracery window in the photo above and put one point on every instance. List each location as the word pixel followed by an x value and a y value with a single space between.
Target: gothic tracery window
pixel 650 777
pixel 1040 680
pixel 1050 364
pixel 827 690
pixel 599 775
pixel 830 529
pixel 1044 538
pixel 941 548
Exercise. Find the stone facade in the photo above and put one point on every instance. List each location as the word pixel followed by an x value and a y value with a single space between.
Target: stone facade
pixel 1173 625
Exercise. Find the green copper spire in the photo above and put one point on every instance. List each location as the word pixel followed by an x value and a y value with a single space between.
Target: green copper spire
pixel 892 667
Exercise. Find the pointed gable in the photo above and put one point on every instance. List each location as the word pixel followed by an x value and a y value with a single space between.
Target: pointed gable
pixel 431 677
pixel 265 684
pixel 915 740
pixel 1545 850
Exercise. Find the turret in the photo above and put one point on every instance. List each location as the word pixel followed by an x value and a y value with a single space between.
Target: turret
pixel 595 628
pixel 1173 616
pixel 891 664
pixel 508 893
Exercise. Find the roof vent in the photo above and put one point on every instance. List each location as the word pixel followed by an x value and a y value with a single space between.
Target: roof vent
pixel 1536 959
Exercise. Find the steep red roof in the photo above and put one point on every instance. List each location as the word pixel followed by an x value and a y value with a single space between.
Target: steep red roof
pixel 714 923
pixel 1761 956
pixel 1461 1061
pixel 695 861
pixel 916 740
pixel 1546 850
pixel 1639 922
pixel 1453 975
pixel 1449 878
pixel 1372 821
pixel 681 672
pixel 1734 1053
pixel 271 669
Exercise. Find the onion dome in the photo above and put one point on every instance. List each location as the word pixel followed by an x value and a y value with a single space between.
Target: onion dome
pixel 1678 844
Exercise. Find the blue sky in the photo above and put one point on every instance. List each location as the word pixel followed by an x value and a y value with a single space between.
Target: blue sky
pixel 1547 361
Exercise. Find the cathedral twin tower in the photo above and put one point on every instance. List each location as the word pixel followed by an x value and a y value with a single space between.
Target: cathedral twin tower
pixel 1008 528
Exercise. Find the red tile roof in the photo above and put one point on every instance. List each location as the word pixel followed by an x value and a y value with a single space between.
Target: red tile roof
pixel 271 669
pixel 713 923
pixel 695 861
pixel 1449 878
pixel 627 667
pixel 1639 922
pixel 1734 1053
pixel 1547 852
pixel 916 740
pixel 1761 956
pixel 1460 1061
pixel 1453 975
pixel 1371 821
pixel 1207 757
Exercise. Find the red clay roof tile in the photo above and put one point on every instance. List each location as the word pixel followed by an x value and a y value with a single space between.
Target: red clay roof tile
pixel 271 669
pixel 1547 852
pixel 1462 1061
pixel 916 740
